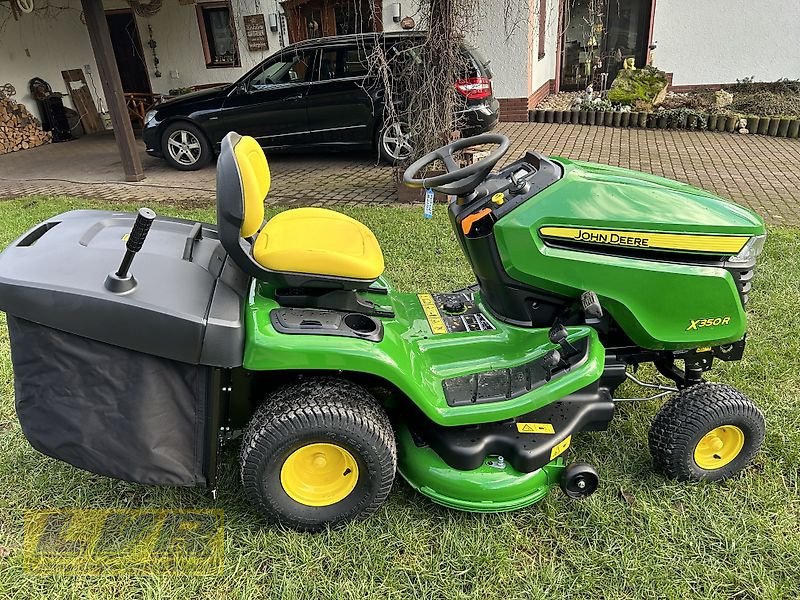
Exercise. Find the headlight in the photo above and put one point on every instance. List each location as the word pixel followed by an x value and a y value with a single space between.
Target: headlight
pixel 149 116
pixel 751 249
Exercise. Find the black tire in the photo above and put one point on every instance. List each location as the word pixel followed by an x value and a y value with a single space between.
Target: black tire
pixel 385 153
pixel 692 413
pixel 198 147
pixel 319 410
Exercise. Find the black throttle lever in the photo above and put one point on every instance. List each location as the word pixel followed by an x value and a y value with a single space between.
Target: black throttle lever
pixel 122 280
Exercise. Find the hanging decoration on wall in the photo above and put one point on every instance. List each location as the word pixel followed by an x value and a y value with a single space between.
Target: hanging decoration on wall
pixel 256 30
pixel 145 9
pixel 25 6
pixel 153 45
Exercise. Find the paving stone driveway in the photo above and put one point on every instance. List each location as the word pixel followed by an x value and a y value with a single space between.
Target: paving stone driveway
pixel 760 172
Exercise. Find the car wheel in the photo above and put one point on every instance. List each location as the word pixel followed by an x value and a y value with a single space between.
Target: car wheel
pixel 394 142
pixel 185 147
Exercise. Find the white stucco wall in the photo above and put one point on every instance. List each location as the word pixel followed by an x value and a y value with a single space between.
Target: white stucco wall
pixel 44 45
pixel 37 46
pixel 720 41
pixel 503 41
pixel 544 70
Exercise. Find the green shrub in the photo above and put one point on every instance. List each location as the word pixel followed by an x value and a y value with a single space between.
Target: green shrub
pixel 643 85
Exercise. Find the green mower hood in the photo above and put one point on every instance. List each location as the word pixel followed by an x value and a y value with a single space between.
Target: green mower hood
pixel 612 197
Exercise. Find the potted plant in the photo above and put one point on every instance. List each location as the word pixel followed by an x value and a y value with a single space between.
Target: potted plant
pixel 642 120
pixel 608 118
pixel 712 122
pixel 625 119
pixel 616 118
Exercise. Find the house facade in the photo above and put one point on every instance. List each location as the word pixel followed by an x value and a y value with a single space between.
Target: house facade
pixel 536 47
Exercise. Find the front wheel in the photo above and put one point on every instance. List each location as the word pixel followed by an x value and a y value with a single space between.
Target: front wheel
pixel 185 147
pixel 318 453
pixel 708 431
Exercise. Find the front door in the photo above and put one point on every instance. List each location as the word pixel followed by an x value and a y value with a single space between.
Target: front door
pixel 271 103
pixel 598 37
pixel 128 52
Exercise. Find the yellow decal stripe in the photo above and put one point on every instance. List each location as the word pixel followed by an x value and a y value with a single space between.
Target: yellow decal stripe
pixel 721 244
pixel 432 313
pixel 560 448
pixel 535 428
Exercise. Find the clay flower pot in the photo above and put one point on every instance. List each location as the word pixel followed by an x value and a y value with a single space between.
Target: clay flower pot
pixel 763 125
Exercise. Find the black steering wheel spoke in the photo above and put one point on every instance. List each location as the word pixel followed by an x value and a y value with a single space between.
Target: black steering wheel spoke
pixel 457 180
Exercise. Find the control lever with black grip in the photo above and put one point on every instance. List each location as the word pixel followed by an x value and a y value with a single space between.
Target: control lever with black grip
pixel 122 280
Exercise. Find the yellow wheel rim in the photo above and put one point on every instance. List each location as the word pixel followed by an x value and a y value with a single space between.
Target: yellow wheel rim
pixel 319 474
pixel 718 447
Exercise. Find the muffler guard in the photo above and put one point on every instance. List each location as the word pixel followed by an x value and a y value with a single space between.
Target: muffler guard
pixel 110 410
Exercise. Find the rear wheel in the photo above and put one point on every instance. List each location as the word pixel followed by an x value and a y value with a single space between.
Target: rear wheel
pixel 394 142
pixel 185 147
pixel 318 453
pixel 708 431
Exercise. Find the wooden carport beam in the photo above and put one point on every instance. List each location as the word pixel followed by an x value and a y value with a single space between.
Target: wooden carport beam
pixel 112 88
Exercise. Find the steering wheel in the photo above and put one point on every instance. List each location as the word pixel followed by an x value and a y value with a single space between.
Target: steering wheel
pixel 458 180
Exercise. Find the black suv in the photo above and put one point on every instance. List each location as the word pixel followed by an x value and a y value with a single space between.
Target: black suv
pixel 313 93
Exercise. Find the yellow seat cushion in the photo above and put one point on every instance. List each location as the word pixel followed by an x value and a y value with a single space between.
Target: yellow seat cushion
pixel 319 242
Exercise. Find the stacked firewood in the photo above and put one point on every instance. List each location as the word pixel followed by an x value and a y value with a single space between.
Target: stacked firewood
pixel 19 129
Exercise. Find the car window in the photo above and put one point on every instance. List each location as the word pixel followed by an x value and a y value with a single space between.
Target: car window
pixel 355 61
pixel 343 62
pixel 290 68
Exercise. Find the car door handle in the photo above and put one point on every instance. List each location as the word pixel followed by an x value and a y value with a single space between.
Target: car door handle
pixel 294 98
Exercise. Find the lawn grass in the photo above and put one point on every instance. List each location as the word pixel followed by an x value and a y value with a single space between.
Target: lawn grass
pixel 737 539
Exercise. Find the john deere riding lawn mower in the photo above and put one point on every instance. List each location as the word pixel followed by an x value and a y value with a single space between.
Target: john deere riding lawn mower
pixel 286 335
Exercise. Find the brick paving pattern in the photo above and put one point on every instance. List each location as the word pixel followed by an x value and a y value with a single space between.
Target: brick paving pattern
pixel 763 173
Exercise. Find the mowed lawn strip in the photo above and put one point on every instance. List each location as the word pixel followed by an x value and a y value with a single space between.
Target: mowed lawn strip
pixel 659 539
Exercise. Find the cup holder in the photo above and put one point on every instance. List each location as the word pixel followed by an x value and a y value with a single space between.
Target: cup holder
pixel 361 324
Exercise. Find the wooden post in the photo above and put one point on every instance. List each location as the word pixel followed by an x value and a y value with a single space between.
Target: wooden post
pixel 112 88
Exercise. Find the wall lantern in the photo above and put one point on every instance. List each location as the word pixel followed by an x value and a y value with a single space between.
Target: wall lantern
pixel 273 21
pixel 396 9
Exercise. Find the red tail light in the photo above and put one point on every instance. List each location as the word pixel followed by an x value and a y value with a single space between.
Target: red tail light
pixel 474 88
